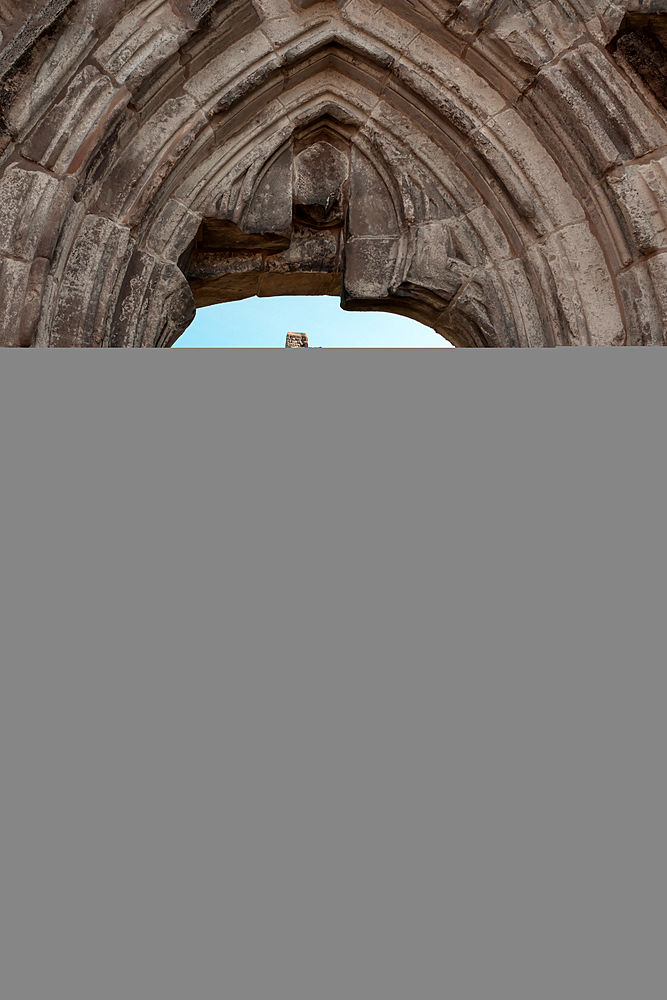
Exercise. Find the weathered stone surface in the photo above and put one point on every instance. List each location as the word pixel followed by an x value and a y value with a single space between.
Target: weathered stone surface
pixel 55 62
pixel 370 267
pixel 33 206
pixel 70 133
pixel 320 184
pixel 144 39
pixel 214 78
pixel 493 168
pixel 90 286
pixel 38 18
pixel 642 305
pixel 534 36
pixel 646 54
pixel 432 265
pixel 21 289
pixel 607 123
pixel 173 231
pixel 297 340
pixel 270 204
pixel 527 172
pixel 148 159
pixel 372 210
pixel 153 295
pixel 224 278
pixel 642 196
pixel 319 251
pixel 584 294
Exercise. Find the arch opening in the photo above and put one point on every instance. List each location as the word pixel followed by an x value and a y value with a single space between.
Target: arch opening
pixel 266 322
pixel 321 217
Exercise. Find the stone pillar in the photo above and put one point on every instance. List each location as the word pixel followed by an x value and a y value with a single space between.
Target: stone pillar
pixel 296 340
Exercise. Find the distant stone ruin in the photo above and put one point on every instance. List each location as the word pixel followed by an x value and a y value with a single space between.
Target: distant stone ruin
pixel 496 169
pixel 297 340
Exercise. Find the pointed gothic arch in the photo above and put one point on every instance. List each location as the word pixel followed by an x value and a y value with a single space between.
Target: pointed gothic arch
pixel 493 170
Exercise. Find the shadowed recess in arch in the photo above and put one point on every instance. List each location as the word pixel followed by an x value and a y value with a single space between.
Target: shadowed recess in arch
pixel 264 323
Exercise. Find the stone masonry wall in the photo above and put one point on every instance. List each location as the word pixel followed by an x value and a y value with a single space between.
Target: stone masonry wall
pixel 496 169
pixel 297 340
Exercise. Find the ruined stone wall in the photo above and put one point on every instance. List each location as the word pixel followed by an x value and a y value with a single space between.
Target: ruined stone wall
pixel 493 168
pixel 297 340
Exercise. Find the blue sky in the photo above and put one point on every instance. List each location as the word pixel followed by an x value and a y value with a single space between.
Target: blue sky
pixel 265 322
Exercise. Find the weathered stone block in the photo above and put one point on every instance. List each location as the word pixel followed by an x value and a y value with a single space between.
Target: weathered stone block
pixel 320 184
pixel 67 137
pixel 149 157
pixel 657 269
pixel 298 283
pixel 370 267
pixel 643 308
pixel 216 76
pixel 146 296
pixel 456 78
pixel 173 232
pixel 270 205
pixel 536 35
pixel 224 277
pixel 429 254
pixel 528 172
pixel 309 250
pixel 372 211
pixel 33 206
pixel 144 39
pixel 89 288
pixel 607 123
pixel 642 196
pixel 39 84
pixel 21 289
pixel 296 340
pixel 585 294
pixel 381 22
pixel 477 238
pixel 481 314
pixel 36 23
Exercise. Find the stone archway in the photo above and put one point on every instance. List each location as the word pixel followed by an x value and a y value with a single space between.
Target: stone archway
pixel 495 170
